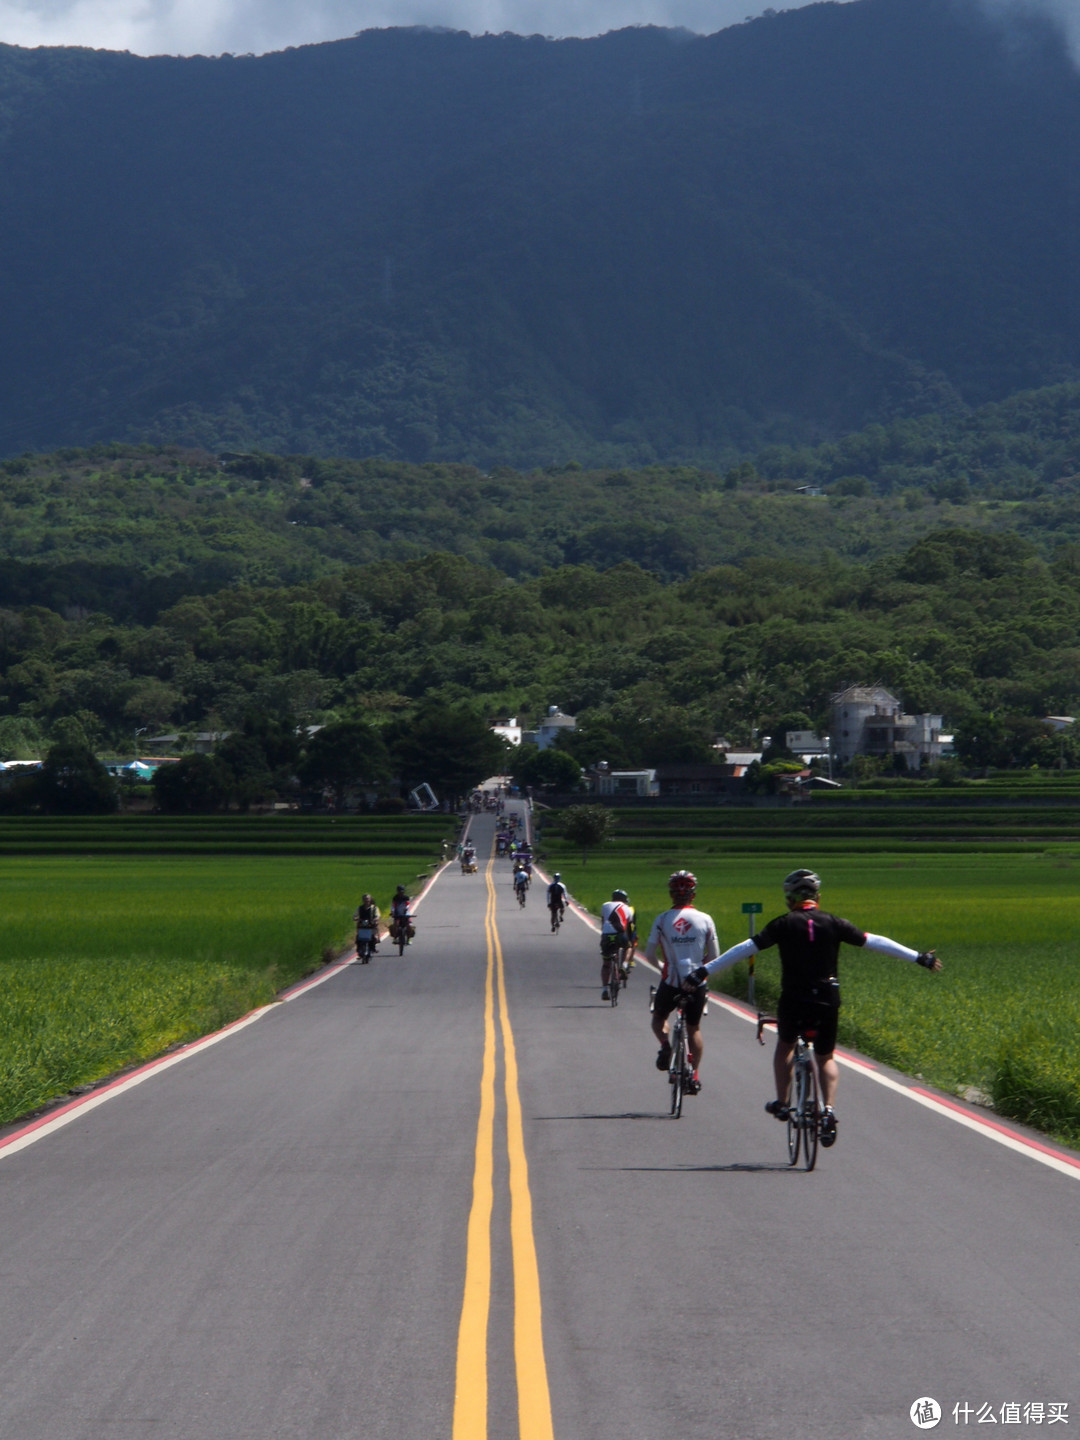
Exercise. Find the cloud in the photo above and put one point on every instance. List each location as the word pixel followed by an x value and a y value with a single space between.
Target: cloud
pixel 187 27
pixel 1065 14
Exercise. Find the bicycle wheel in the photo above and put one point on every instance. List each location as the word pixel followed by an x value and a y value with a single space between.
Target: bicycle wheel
pixel 810 1118
pixel 402 939
pixel 793 1128
pixel 677 1067
pixel 613 985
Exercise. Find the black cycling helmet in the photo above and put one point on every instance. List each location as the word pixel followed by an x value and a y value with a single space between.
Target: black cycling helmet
pixel 682 886
pixel 401 890
pixel 801 885
pixel 619 895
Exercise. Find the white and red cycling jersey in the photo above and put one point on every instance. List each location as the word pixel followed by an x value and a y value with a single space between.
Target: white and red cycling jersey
pixel 615 918
pixel 682 939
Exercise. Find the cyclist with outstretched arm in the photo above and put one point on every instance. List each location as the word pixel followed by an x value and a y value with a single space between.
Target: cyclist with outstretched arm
pixel 809 940
pixel 685 940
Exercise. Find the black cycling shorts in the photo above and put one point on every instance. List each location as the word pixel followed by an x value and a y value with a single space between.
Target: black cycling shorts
pixel 666 995
pixel 818 1011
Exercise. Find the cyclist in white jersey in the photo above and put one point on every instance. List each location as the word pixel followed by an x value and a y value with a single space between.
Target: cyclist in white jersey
pixel 684 939
pixel 616 936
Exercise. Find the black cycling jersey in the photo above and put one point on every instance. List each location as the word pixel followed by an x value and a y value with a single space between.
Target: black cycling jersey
pixel 809 941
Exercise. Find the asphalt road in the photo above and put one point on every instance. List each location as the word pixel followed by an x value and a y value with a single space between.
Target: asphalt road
pixel 344 1219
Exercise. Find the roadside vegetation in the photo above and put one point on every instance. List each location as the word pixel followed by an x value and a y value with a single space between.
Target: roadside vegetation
pixel 109 957
pixel 1003 1017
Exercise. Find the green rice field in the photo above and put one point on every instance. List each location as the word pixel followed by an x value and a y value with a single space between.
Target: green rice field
pixel 1003 1017
pixel 107 958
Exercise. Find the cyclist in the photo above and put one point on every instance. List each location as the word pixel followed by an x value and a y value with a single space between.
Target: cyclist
pixel 401 914
pixel 367 917
pixel 809 939
pixel 521 884
pixel 557 896
pixel 617 935
pixel 686 940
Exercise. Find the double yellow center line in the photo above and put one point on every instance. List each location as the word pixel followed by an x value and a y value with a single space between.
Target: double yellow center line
pixel 471 1397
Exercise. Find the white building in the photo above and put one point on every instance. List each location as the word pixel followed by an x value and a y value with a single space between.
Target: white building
pixel 627 782
pixel 510 732
pixel 870 720
pixel 807 744
pixel 550 728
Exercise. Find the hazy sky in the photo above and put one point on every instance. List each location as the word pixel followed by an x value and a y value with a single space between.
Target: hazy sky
pixel 209 26
pixel 185 27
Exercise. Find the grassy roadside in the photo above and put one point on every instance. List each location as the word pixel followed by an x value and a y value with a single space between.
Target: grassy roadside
pixel 111 960
pixel 1003 1017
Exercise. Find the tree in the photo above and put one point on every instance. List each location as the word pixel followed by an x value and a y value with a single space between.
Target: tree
pixel 245 759
pixel 549 769
pixel 587 826
pixel 195 785
pixel 345 755
pixel 451 747
pixel 72 781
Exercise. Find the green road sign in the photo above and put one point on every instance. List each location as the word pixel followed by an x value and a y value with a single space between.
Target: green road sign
pixel 752 907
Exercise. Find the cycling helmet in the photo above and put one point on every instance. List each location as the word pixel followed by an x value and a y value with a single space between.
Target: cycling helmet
pixel 801 885
pixel 619 895
pixel 401 890
pixel 682 886
pixel 556 876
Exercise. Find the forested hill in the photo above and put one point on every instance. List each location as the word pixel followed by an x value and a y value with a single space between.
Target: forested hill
pixel 647 246
pixel 130 530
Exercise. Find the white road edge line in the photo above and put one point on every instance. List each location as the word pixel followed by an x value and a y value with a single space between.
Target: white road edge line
pixel 76 1109
pixel 989 1130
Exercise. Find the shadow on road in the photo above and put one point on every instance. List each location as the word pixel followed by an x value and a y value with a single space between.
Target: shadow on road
pixel 620 1115
pixel 736 1169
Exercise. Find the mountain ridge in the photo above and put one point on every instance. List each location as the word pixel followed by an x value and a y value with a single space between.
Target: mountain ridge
pixel 642 247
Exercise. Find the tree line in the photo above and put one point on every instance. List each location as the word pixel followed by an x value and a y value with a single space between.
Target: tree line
pixel 978 627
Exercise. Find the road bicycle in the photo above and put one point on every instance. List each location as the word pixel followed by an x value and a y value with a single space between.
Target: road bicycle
pixel 615 972
pixel 803 1109
pixel 556 917
pixel 521 891
pixel 680 1070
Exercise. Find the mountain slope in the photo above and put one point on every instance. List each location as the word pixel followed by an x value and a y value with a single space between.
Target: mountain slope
pixel 498 249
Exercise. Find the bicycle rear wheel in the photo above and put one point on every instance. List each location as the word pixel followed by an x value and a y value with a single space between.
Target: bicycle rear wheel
pixel 677 1068
pixel 810 1118
pixel 793 1128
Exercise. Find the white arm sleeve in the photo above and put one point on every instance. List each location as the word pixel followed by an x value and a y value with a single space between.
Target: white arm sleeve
pixel 883 946
pixel 743 951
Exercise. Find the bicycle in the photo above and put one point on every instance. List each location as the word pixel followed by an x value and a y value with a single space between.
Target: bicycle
pixel 803 1109
pixel 403 933
pixel 680 1070
pixel 615 972
pixel 522 891
pixel 556 918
